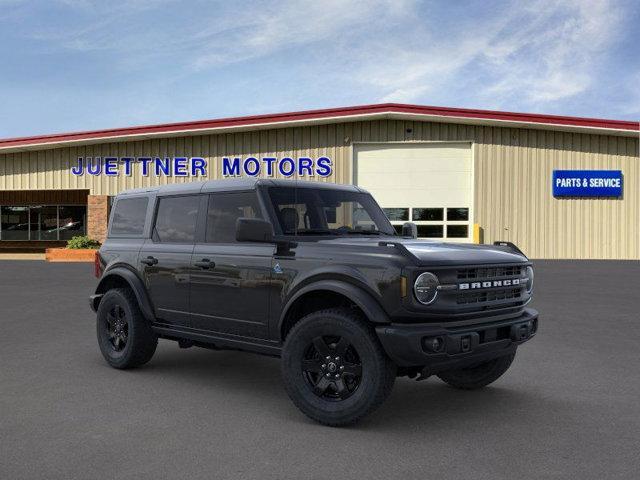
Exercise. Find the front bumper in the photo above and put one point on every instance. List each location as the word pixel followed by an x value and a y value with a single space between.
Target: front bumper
pixel 411 345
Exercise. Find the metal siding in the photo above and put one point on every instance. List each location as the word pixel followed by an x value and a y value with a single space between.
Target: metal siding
pixel 512 198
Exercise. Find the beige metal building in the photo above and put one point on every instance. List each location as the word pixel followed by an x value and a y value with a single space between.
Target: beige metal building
pixel 445 169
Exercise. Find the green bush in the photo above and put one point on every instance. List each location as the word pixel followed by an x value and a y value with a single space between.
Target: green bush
pixel 82 241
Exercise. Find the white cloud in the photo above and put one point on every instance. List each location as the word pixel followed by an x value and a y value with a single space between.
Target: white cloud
pixel 554 53
pixel 546 52
pixel 507 55
pixel 284 25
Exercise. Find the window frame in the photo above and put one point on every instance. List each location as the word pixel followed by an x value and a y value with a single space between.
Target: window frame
pixel 143 234
pixel 444 223
pixel 159 198
pixel 30 207
pixel 203 215
pixel 272 214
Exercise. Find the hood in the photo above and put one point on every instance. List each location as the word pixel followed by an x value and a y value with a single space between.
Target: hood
pixel 428 252
pixel 461 253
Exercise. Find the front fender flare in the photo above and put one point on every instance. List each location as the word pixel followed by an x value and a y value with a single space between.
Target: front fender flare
pixel 136 285
pixel 367 303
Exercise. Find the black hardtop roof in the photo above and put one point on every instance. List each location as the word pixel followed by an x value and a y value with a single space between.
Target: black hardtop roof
pixel 228 185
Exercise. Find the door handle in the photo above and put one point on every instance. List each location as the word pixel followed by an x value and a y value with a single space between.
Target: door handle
pixel 149 260
pixel 205 264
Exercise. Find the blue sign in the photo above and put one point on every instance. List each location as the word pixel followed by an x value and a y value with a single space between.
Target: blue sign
pixel 197 166
pixel 286 166
pixel 587 183
pixel 158 166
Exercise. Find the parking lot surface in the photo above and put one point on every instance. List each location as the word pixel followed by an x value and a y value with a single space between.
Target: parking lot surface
pixel 567 408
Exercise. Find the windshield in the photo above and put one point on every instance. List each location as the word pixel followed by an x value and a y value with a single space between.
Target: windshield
pixel 316 211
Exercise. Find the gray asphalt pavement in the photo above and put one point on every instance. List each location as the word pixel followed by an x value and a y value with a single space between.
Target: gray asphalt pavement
pixel 568 408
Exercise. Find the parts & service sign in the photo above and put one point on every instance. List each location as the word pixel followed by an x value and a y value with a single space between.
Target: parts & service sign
pixel 587 183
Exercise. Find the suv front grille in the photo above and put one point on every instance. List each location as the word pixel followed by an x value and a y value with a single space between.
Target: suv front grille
pixel 489 296
pixel 484 289
pixel 489 272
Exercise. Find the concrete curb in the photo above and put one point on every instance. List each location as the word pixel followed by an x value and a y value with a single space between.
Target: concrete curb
pixel 21 256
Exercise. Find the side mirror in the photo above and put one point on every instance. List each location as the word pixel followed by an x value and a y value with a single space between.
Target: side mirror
pixel 254 230
pixel 409 229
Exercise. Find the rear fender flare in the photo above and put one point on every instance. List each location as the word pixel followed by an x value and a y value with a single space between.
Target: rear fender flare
pixel 136 285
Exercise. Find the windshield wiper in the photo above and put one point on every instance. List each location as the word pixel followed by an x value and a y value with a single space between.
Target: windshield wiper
pixel 313 231
pixel 363 232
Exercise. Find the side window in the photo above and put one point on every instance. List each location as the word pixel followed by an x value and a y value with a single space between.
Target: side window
pixel 176 219
pixel 129 216
pixel 224 209
pixel 295 216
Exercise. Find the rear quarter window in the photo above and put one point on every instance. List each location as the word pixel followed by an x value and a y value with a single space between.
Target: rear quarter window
pixel 176 219
pixel 129 216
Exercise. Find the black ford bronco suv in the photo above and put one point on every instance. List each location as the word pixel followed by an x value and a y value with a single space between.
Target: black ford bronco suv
pixel 316 274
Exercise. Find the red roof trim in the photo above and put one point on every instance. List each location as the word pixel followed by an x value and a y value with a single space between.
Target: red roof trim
pixel 329 113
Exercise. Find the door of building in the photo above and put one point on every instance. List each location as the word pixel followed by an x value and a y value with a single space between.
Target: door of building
pixel 430 184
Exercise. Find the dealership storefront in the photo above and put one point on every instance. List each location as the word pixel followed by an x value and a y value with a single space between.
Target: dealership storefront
pixel 559 187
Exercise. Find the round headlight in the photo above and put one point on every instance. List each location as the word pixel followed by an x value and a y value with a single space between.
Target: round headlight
pixel 426 288
pixel 529 272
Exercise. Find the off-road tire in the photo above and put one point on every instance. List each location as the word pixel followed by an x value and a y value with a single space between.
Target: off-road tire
pixel 477 376
pixel 141 341
pixel 377 376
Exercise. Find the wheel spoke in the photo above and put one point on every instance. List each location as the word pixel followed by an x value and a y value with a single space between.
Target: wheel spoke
pixel 321 346
pixel 341 347
pixel 322 385
pixel 312 365
pixel 352 369
pixel 331 366
pixel 341 388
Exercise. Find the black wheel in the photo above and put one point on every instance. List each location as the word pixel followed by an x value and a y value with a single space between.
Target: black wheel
pixel 478 376
pixel 125 337
pixel 334 368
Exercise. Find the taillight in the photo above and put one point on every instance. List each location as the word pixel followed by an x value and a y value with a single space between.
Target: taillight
pixel 97 265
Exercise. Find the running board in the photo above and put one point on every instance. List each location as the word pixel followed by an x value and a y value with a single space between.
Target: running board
pixel 220 341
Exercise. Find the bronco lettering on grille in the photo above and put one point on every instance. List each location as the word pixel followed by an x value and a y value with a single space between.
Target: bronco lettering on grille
pixel 489 284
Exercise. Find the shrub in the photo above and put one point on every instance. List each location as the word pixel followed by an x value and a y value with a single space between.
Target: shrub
pixel 82 241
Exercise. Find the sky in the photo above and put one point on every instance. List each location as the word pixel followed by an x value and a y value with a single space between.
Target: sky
pixel 69 65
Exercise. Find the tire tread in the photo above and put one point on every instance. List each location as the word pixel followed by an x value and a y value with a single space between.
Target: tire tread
pixel 464 380
pixel 144 340
pixel 388 368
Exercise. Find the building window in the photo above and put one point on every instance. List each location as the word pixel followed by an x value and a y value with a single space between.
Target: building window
pixel 457 214
pixel 71 221
pixel 15 223
pixel 457 231
pixel 42 222
pixel 397 214
pixel 430 231
pixel 432 222
pixel 428 214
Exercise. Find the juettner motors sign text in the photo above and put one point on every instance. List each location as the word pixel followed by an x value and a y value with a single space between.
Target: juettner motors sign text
pixel 197 166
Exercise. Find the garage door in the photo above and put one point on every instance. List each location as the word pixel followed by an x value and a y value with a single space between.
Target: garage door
pixel 430 184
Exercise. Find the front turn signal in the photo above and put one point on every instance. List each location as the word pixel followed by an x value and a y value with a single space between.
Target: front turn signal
pixel 403 287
